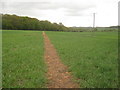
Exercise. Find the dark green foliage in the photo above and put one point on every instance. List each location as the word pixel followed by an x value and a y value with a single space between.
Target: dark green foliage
pixel 90 29
pixel 13 22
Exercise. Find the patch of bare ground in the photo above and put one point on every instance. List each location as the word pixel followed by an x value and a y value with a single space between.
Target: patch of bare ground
pixel 58 75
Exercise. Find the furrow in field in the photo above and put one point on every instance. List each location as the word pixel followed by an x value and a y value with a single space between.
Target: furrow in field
pixel 57 74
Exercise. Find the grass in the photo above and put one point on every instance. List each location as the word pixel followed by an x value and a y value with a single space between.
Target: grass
pixel 0 58
pixel 92 57
pixel 23 63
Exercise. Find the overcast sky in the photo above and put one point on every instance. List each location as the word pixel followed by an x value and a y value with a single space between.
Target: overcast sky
pixel 69 12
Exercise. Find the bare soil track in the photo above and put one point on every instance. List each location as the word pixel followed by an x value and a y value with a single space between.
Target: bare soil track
pixel 57 74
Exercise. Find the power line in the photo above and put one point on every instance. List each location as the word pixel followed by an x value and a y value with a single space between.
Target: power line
pixel 93 20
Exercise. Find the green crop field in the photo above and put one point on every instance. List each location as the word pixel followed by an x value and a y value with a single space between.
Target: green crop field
pixel 92 57
pixel 0 58
pixel 22 59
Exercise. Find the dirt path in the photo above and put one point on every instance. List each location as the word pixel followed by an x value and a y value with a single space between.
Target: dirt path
pixel 58 75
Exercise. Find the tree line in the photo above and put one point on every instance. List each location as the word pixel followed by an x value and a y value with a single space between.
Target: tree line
pixel 14 22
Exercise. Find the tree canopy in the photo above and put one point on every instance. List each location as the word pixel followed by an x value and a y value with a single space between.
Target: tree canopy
pixel 14 22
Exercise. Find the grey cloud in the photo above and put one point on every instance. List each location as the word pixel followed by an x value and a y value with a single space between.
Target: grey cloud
pixel 71 9
pixel 23 8
pixel 26 5
pixel 78 11
pixel 1 7
pixel 119 13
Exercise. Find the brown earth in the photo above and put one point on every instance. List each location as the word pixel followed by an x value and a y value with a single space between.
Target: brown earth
pixel 58 75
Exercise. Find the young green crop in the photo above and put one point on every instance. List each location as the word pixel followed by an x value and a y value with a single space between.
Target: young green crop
pixel 0 58
pixel 92 57
pixel 23 62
